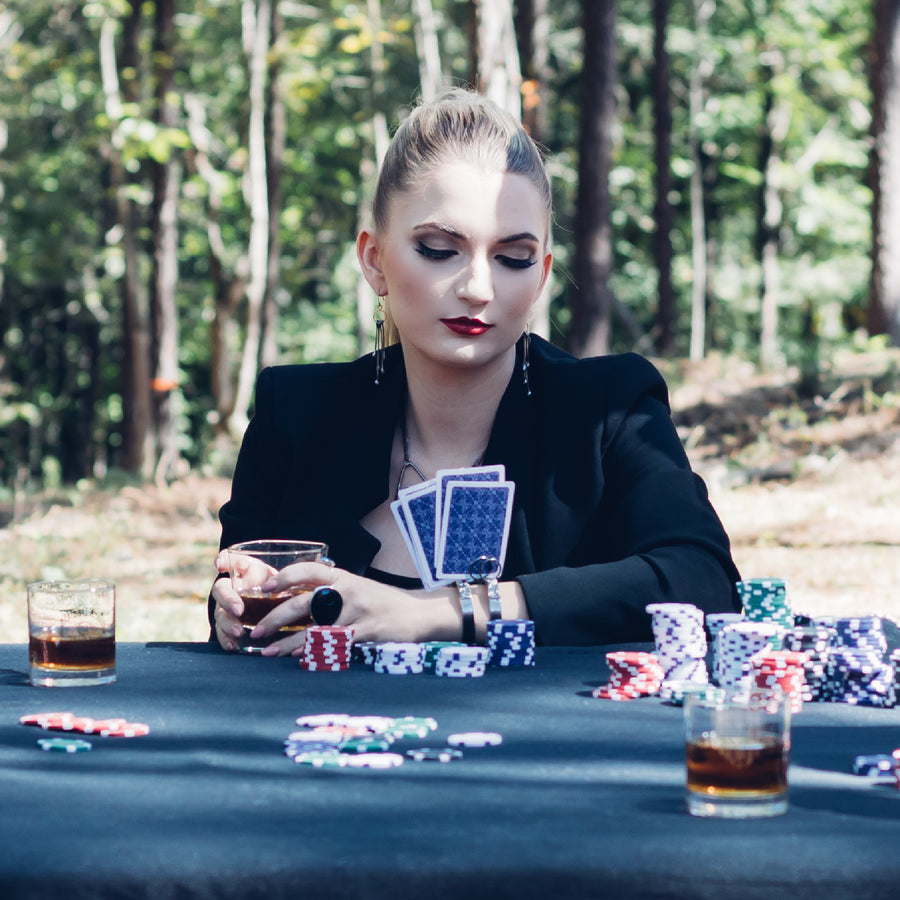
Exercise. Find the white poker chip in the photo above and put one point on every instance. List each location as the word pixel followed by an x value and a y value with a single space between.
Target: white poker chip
pixel 323 719
pixel 475 739
pixel 374 761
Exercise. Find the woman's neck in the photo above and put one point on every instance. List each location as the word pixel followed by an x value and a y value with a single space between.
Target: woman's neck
pixel 449 415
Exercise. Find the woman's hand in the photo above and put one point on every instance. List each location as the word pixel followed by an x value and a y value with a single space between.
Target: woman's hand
pixel 229 606
pixel 376 612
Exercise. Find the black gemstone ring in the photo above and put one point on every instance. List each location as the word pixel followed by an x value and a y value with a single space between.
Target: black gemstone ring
pixel 325 605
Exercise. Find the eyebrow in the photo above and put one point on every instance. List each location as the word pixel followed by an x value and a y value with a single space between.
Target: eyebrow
pixel 511 239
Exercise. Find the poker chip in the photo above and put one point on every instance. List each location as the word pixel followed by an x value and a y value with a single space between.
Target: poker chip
pixel 365 745
pixel 400 658
pixel 67 721
pixel 374 761
pixel 632 674
pixel 432 648
pixel 293 748
pixel 765 600
pixel 434 754
pixel 58 721
pixel 461 662
pixel 365 652
pixel 321 760
pixel 323 719
pixel 680 643
pixel 876 765
pixel 412 726
pixel 737 643
pixel 511 642
pixel 327 648
pixel 474 739
pixel 64 745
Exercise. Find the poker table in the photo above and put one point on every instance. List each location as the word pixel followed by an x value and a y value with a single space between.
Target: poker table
pixel 584 797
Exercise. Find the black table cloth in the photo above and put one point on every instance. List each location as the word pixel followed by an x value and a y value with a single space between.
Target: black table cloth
pixel 583 799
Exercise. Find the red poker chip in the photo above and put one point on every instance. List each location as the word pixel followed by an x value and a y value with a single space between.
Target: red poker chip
pixel 103 726
pixel 127 730
pixel 47 719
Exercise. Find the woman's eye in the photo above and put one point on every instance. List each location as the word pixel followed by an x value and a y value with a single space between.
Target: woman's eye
pixel 432 253
pixel 513 262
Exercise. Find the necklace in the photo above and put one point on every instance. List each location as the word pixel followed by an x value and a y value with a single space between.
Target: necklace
pixel 409 464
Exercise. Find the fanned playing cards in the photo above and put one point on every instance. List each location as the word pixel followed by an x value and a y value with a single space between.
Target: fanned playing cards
pixel 454 519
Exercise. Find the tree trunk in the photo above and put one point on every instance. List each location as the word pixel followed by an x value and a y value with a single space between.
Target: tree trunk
pixel 276 136
pixel 137 450
pixel 700 250
pixel 532 36
pixel 662 242
pixel 589 332
pixel 884 172
pixel 775 119
pixel 257 17
pixel 431 76
pixel 498 72
pixel 164 230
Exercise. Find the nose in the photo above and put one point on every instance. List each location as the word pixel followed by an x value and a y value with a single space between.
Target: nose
pixel 476 283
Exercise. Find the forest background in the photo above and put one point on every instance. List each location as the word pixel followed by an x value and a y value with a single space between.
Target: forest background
pixel 180 188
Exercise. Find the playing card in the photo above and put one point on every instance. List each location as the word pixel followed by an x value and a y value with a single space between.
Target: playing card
pixel 475 522
pixel 414 511
pixel 445 476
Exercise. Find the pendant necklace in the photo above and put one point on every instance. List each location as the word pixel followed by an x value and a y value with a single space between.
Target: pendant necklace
pixel 409 464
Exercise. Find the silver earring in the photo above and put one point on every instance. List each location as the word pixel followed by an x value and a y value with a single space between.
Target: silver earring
pixel 526 344
pixel 378 316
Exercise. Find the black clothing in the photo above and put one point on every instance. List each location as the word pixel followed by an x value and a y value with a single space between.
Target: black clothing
pixel 608 516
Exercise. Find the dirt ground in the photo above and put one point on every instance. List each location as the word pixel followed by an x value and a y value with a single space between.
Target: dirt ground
pixel 807 484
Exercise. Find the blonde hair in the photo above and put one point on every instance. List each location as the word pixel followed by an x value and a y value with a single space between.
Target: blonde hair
pixel 459 126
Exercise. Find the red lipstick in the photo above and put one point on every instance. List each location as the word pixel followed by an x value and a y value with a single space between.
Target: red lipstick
pixel 465 326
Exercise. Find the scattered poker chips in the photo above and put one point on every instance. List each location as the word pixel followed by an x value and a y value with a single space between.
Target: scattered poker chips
pixel 632 674
pixel 319 744
pixel 461 662
pixel 875 765
pixel 765 600
pixel 395 658
pixel 680 641
pixel 511 642
pixel 328 648
pixel 68 721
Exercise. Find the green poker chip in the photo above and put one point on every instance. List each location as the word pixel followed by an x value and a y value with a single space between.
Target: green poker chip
pixel 64 745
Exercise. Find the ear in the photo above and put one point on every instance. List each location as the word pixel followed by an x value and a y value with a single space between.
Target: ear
pixel 546 265
pixel 369 255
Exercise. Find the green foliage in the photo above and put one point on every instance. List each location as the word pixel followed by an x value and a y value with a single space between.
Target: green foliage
pixel 61 316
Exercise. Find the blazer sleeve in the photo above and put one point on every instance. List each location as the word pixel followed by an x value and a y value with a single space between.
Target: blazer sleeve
pixel 652 535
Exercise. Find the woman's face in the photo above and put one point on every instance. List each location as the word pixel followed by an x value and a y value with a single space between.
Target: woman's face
pixel 463 260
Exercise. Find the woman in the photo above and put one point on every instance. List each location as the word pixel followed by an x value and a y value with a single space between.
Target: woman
pixel 607 515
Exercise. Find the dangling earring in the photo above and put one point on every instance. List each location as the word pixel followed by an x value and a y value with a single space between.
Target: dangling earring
pixel 526 343
pixel 378 316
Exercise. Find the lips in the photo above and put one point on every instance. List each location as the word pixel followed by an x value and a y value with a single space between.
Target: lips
pixel 465 326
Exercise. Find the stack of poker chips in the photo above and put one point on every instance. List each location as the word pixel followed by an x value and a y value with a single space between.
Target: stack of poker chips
pixel 365 652
pixel 895 662
pixel 765 600
pixel 780 671
pixel 400 658
pixel 327 648
pixel 857 671
pixel 813 641
pixel 510 642
pixel 461 662
pixel 736 644
pixel 680 641
pixel 715 622
pixel 432 648
pixel 632 674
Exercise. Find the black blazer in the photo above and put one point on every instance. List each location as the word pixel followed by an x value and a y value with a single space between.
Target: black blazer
pixel 608 516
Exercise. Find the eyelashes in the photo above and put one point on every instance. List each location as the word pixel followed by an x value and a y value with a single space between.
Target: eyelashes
pixel 511 262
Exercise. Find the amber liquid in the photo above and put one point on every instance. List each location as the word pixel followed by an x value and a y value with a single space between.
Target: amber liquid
pixel 737 767
pixel 72 649
pixel 257 604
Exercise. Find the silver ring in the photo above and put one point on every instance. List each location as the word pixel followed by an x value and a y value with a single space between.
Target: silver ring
pixel 484 569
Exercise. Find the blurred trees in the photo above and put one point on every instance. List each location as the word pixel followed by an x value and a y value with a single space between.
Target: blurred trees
pixel 181 183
